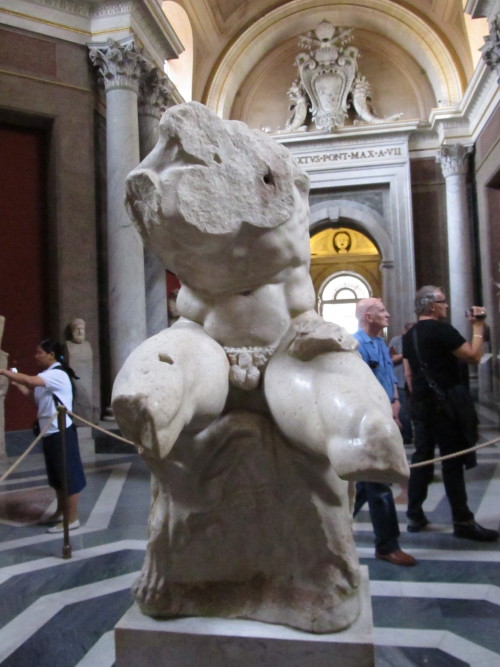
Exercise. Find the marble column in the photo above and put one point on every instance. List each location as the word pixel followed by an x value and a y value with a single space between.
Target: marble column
pixel 454 165
pixel 153 99
pixel 120 65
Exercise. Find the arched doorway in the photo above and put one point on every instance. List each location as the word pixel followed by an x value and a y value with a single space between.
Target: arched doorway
pixel 345 267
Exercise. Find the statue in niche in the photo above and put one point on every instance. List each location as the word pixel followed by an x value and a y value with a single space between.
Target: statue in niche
pixel 342 242
pixel 299 105
pixel 4 385
pixel 252 412
pixel 329 82
pixel 78 353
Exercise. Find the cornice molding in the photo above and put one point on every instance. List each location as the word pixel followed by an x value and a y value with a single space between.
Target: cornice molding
pixel 78 7
pixel 83 21
pixel 364 135
pixel 482 8
pixel 467 120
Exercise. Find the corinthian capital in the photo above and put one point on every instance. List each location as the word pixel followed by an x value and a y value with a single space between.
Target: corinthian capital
pixel 120 64
pixel 453 159
pixel 491 47
pixel 154 92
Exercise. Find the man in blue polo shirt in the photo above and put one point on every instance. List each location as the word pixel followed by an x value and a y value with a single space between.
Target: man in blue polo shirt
pixel 372 317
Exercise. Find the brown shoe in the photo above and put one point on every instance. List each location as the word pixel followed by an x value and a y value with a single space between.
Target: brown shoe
pixel 397 557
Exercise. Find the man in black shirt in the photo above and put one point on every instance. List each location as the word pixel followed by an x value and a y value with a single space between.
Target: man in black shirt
pixel 440 348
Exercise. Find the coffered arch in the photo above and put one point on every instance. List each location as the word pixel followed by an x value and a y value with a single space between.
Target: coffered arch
pixel 411 32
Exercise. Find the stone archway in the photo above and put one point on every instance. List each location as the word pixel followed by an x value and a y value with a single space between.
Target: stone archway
pixel 357 215
pixel 360 217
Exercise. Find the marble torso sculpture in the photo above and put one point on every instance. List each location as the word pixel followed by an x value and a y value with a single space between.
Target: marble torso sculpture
pixel 78 353
pixel 252 412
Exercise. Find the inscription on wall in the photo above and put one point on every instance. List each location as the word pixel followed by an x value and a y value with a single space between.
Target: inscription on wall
pixel 341 157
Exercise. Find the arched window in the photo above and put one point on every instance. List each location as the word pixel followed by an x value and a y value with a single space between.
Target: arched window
pixel 180 70
pixel 337 298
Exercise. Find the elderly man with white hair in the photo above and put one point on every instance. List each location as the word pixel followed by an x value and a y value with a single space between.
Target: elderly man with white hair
pixel 372 317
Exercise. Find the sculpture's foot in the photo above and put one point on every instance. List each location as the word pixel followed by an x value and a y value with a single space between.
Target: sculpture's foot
pixel 270 601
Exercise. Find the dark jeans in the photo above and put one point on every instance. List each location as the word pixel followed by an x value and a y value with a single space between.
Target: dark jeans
pixel 430 427
pixel 382 513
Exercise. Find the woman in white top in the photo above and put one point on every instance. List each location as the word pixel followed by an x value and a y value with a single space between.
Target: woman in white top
pixel 53 384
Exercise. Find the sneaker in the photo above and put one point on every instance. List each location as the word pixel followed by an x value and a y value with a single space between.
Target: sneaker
pixel 53 518
pixel 59 527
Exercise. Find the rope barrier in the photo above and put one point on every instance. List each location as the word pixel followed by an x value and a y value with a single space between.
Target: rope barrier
pixel 25 454
pixel 451 456
pixel 129 442
pixel 99 428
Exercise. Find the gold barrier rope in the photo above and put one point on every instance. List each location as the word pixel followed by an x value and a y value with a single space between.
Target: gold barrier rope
pixel 28 450
pixel 451 456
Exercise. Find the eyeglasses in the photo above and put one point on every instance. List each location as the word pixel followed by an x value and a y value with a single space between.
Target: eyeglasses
pixel 440 301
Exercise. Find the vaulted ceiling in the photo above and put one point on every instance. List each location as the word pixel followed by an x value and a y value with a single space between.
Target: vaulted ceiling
pixel 416 53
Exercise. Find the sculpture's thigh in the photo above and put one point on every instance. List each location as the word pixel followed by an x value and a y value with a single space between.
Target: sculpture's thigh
pixel 334 405
pixel 175 381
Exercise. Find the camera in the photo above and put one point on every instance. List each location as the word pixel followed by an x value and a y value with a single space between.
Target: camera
pixel 469 313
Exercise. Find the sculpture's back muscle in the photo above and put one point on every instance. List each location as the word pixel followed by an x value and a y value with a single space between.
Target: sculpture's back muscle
pixel 235 458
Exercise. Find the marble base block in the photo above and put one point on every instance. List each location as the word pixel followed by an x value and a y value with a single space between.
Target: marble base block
pixel 217 642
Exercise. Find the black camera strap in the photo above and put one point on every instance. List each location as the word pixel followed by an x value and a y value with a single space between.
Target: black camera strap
pixel 433 385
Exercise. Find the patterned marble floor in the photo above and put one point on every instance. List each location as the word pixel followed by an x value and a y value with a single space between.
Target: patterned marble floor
pixel 60 613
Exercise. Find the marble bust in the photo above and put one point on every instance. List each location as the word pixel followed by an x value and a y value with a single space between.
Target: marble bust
pixel 78 353
pixel 253 413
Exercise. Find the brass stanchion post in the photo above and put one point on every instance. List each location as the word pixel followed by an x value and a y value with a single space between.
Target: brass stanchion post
pixel 61 422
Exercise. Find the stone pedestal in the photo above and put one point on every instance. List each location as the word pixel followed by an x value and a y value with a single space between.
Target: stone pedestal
pixel 216 642
pixel 80 358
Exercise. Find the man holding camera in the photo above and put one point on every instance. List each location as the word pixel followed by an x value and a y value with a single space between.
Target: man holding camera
pixel 435 357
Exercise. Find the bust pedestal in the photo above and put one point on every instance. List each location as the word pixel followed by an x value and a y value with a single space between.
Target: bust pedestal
pixel 79 356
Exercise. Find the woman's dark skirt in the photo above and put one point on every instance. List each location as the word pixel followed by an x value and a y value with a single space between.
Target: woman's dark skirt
pixel 53 461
